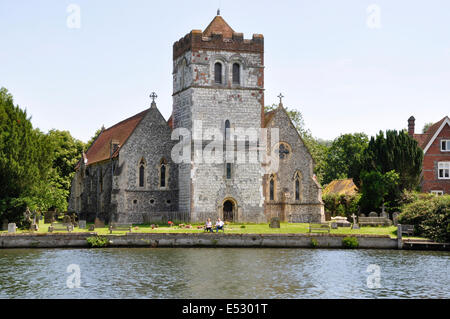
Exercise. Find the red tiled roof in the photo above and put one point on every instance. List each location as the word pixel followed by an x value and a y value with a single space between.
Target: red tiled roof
pixel 100 149
pixel 218 25
pixel 424 139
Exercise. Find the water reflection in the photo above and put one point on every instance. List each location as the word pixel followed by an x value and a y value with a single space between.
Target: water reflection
pixel 223 273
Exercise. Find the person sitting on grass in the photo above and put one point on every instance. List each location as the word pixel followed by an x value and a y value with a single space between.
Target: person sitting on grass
pixel 208 226
pixel 219 225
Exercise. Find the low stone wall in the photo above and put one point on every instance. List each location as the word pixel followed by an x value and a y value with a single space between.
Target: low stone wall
pixel 194 240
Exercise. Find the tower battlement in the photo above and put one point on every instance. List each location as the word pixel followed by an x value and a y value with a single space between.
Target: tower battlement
pixel 223 38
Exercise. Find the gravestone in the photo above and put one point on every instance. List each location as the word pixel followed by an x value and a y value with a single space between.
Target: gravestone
pixel 355 224
pixel 395 218
pixel 98 223
pixel 49 217
pixel 82 224
pixel 275 222
pixel 91 227
pixel 373 214
pixel 384 214
pixel 341 221
pixel 12 227
pixel 334 225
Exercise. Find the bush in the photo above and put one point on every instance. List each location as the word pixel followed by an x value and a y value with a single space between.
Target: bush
pixel 97 241
pixel 350 242
pixel 314 243
pixel 430 215
pixel 341 205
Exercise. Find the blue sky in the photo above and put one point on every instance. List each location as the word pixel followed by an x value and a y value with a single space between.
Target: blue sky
pixel 341 74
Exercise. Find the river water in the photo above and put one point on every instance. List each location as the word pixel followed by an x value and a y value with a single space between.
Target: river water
pixel 223 273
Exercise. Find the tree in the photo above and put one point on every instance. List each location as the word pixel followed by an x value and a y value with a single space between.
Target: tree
pixel 426 127
pixel 344 157
pixel 93 138
pixel 396 152
pixel 376 188
pixel 25 161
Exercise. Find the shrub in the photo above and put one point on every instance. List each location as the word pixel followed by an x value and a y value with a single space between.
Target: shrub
pixel 97 241
pixel 341 205
pixel 350 242
pixel 242 226
pixel 314 243
pixel 430 215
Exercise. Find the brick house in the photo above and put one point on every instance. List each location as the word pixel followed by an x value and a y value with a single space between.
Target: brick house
pixel 435 143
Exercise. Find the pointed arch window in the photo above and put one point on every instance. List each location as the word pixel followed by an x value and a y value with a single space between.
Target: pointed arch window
pixel 298 186
pixel 218 73
pixel 236 73
pixel 163 169
pixel 227 130
pixel 142 173
pixel 272 187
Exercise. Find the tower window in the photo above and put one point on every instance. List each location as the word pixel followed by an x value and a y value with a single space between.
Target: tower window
pixel 218 73
pixel 236 73
pixel 228 170
pixel 227 130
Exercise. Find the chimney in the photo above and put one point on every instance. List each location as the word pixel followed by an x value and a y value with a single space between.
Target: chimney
pixel 411 125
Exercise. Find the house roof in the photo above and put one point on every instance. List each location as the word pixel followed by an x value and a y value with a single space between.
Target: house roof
pixel 426 139
pixel 100 149
pixel 341 187
pixel 218 25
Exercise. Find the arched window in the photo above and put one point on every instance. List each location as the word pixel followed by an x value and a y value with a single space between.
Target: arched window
pixel 218 73
pixel 236 73
pixel 298 186
pixel 272 188
pixel 142 173
pixel 163 173
pixel 227 130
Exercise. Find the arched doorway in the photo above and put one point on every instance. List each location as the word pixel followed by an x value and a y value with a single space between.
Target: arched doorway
pixel 228 211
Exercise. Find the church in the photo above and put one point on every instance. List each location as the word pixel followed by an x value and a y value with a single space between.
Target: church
pixel 132 174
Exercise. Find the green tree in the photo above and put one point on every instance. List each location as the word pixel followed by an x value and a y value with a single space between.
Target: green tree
pixel 376 188
pixel 93 138
pixel 345 156
pixel 426 127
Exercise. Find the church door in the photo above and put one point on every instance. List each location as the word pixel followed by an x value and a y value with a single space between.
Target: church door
pixel 228 208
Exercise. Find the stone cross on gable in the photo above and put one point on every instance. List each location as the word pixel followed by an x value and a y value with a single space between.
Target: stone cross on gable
pixel 281 96
pixel 153 96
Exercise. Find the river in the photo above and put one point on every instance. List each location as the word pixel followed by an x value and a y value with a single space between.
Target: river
pixel 223 273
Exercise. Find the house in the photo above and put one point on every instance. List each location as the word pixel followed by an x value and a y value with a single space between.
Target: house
pixel 435 143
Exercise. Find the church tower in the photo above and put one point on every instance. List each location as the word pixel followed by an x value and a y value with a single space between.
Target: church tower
pixel 218 83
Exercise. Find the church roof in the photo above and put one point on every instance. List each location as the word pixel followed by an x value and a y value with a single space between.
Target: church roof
pixel 218 25
pixel 100 149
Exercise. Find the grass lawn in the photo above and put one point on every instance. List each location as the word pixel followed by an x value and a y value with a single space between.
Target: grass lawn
pixel 286 228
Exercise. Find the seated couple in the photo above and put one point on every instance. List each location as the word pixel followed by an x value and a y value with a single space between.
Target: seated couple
pixel 219 225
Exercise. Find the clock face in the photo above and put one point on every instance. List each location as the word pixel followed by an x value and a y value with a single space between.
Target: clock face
pixel 283 150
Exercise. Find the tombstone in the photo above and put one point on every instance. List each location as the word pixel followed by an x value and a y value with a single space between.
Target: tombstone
pixel 384 215
pixel 274 222
pixel 12 227
pixel 98 223
pixel 82 224
pixel 334 225
pixel 91 227
pixel 395 218
pixel 355 224
pixel 49 217
pixel 373 214
pixel 4 224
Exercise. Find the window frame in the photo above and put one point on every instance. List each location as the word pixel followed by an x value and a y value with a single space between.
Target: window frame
pixel 444 166
pixel 222 67
pixel 437 193
pixel 239 69
pixel 445 142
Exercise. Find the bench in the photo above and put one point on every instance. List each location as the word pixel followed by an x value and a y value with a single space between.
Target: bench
pixel 374 221
pixel 319 227
pixel 60 227
pixel 120 227
pixel 407 229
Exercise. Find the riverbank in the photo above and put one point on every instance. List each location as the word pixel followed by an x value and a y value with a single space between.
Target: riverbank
pixel 220 240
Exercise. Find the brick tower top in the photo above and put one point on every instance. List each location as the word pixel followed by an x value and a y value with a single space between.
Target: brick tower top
pixel 218 35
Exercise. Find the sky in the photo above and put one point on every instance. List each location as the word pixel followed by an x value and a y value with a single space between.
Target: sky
pixel 348 66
